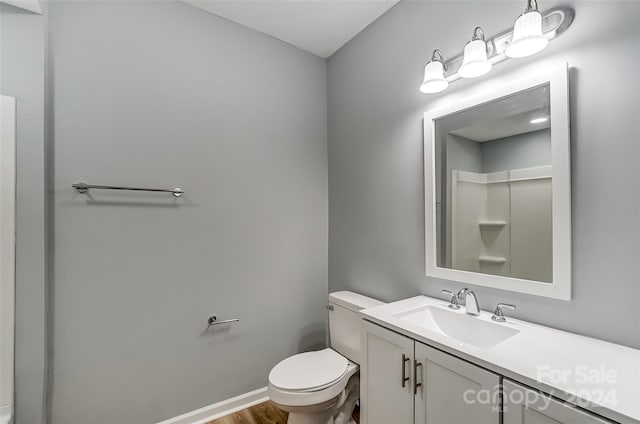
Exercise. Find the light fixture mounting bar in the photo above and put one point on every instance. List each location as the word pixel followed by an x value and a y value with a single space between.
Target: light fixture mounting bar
pixel 554 22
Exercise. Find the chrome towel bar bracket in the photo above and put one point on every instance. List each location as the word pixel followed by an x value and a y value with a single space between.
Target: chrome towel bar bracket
pixel 83 187
pixel 213 320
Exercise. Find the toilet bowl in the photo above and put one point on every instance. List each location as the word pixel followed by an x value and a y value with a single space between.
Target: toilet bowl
pixel 322 387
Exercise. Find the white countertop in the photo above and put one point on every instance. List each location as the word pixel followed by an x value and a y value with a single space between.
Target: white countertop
pixel 598 376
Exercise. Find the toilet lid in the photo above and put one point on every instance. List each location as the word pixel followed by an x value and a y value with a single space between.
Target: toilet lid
pixel 309 370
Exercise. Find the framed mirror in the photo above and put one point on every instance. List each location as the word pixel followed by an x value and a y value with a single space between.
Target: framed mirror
pixel 498 189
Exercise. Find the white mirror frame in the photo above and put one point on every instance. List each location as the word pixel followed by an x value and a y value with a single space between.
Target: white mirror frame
pixel 560 288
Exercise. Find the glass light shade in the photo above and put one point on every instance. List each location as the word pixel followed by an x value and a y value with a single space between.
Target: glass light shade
pixel 475 62
pixel 527 38
pixel 434 81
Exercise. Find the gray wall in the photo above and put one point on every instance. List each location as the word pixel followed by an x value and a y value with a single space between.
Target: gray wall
pixel 376 201
pixel 462 154
pixel 518 151
pixel 22 47
pixel 163 94
pixel 457 153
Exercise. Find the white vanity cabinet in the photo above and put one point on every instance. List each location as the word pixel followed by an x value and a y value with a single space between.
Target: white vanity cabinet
pixel 454 391
pixel 405 382
pixel 460 362
pixel 525 406
pixel 386 385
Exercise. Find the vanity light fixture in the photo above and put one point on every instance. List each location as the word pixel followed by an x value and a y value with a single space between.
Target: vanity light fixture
pixel 528 38
pixel 539 120
pixel 475 62
pixel 434 81
pixel 532 32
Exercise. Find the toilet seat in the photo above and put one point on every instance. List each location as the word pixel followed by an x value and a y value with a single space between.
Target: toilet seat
pixel 309 371
pixel 327 387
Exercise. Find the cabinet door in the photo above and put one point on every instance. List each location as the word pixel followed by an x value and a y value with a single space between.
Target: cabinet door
pixel 452 391
pixel 525 406
pixel 385 390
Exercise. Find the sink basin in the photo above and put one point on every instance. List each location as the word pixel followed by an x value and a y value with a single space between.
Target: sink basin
pixel 457 325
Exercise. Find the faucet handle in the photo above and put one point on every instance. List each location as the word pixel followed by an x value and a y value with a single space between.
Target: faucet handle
pixel 462 296
pixel 498 315
pixel 462 293
pixel 453 301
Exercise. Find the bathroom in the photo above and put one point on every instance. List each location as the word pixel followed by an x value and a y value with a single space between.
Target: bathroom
pixel 296 147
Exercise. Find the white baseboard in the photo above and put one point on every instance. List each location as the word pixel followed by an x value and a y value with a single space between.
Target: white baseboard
pixel 220 409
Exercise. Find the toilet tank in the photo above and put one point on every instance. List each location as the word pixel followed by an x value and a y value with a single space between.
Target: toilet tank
pixel 344 322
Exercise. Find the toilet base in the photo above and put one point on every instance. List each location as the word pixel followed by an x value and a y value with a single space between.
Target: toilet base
pixel 336 411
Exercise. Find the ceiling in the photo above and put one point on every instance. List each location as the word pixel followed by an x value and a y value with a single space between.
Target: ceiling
pixel 504 127
pixel 30 5
pixel 500 118
pixel 317 26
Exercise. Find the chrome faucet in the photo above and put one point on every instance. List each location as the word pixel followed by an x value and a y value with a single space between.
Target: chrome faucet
pixel 462 298
pixel 498 315
pixel 471 303
pixel 453 301
pixel 456 298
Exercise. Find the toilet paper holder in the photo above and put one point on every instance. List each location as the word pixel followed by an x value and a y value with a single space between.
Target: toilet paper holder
pixel 213 320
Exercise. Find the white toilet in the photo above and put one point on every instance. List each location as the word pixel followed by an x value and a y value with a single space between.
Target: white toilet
pixel 322 387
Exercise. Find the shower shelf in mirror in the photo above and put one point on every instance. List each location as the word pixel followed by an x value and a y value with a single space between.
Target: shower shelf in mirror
pixel 492 259
pixel 492 223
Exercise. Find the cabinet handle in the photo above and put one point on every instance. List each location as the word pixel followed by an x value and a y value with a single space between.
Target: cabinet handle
pixel 416 364
pixel 404 370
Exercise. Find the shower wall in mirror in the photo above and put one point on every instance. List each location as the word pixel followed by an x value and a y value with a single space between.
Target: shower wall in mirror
pixel 495 170
pixel 493 191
